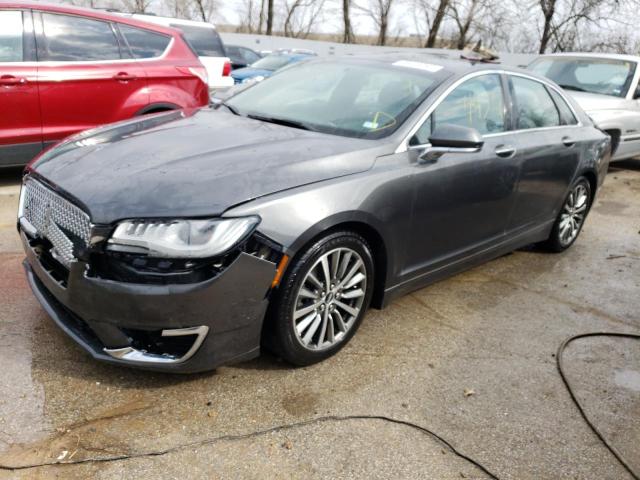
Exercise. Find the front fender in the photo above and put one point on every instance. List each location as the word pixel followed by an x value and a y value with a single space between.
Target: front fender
pixel 381 199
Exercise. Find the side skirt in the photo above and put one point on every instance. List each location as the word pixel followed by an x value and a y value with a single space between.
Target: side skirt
pixel 534 235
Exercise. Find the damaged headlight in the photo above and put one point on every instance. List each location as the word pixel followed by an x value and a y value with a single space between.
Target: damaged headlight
pixel 181 238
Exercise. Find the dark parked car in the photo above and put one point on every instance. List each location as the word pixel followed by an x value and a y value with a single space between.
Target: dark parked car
pixel 241 56
pixel 186 241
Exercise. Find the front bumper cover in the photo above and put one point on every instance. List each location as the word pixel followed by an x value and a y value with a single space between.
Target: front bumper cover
pixel 94 311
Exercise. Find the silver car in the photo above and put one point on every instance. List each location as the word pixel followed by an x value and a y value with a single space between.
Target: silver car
pixel 606 87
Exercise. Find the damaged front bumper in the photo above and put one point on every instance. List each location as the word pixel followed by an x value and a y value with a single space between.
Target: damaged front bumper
pixel 175 327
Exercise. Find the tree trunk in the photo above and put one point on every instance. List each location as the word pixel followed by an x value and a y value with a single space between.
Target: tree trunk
pixel 269 17
pixel 548 9
pixel 261 17
pixel 437 21
pixel 464 28
pixel 348 33
pixel 382 34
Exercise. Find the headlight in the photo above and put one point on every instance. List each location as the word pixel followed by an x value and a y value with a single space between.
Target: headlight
pixel 181 238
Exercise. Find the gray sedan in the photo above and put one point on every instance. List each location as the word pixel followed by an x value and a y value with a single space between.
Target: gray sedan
pixel 188 240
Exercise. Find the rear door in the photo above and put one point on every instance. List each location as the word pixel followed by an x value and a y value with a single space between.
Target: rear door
pixel 84 75
pixel 550 141
pixel 20 123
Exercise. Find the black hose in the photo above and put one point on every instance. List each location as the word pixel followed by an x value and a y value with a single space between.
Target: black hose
pixel 599 434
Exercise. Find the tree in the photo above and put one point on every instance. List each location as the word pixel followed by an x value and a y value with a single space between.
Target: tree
pixel 347 36
pixel 204 9
pixel 441 11
pixel 464 15
pixel 379 11
pixel 301 16
pixel 136 6
pixel 563 21
pixel 269 17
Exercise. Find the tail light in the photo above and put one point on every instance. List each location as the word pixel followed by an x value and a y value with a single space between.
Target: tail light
pixel 199 72
pixel 226 70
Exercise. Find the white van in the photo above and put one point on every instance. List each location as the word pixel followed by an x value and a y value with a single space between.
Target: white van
pixel 206 42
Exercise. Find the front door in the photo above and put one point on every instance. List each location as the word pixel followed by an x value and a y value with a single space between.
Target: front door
pixel 20 123
pixel 464 200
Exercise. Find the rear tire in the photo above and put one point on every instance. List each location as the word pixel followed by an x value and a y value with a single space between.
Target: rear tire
pixel 323 298
pixel 571 218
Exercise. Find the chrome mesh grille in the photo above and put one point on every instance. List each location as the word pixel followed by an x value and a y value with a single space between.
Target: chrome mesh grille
pixel 56 219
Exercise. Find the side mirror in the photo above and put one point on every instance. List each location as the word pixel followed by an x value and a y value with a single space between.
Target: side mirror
pixel 449 138
pixel 636 94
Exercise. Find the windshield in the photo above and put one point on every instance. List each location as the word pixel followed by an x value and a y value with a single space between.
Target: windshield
pixel 349 99
pixel 594 75
pixel 272 62
pixel 205 41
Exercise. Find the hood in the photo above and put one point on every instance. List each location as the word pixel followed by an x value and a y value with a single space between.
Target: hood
pixel 591 102
pixel 249 72
pixel 181 165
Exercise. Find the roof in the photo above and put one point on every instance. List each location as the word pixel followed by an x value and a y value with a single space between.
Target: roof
pixel 85 12
pixel 452 65
pixel 609 56
pixel 168 20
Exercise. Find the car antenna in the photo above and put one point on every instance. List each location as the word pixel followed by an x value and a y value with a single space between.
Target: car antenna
pixel 479 54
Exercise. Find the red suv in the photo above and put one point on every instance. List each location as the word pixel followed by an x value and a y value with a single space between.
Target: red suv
pixel 65 69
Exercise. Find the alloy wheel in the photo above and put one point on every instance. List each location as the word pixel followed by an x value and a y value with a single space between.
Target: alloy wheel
pixel 330 299
pixel 573 214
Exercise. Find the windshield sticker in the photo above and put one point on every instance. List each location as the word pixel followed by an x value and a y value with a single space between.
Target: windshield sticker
pixel 429 67
pixel 370 125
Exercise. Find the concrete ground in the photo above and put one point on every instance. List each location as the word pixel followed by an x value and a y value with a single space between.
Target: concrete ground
pixel 471 358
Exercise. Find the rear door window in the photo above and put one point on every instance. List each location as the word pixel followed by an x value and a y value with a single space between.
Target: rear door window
pixel 566 114
pixel 68 38
pixel 535 108
pixel 11 44
pixel 204 40
pixel 144 43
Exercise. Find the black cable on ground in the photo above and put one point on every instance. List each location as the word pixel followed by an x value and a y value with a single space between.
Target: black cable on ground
pixel 559 364
pixel 208 441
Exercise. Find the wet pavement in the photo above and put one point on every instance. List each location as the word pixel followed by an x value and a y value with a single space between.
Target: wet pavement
pixel 471 358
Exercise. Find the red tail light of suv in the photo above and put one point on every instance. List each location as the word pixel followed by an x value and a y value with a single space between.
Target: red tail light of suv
pixel 66 69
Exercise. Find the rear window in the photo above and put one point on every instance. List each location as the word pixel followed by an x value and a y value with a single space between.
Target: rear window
pixel 11 49
pixel 69 38
pixel 205 41
pixel 143 43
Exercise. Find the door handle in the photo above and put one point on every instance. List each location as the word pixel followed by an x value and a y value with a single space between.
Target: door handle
pixel 568 141
pixel 10 80
pixel 124 77
pixel 505 151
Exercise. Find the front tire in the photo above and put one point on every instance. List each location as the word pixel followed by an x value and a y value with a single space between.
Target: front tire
pixel 323 298
pixel 572 216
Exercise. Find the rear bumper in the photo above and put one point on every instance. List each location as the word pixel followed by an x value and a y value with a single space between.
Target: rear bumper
pixel 228 310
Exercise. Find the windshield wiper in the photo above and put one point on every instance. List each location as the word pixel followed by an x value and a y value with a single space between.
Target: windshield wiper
pixel 233 110
pixel 573 87
pixel 282 121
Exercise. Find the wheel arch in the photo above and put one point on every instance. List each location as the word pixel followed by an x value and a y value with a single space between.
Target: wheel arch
pixel 592 178
pixel 615 133
pixel 157 107
pixel 362 224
